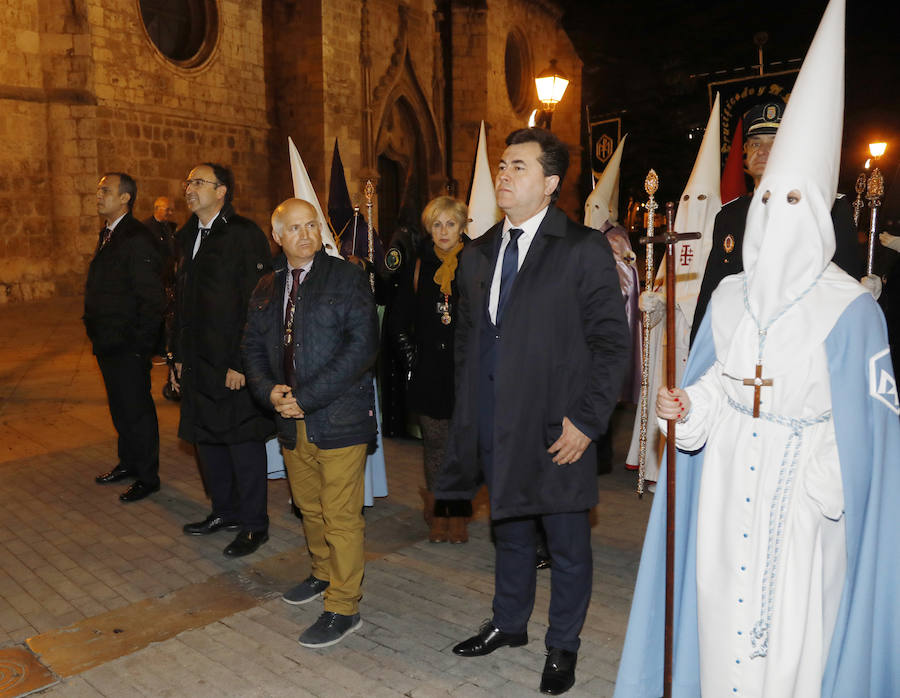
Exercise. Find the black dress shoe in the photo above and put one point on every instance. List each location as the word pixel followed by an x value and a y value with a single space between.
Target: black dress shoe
pixel 246 542
pixel 210 524
pixel 559 671
pixel 120 472
pixel 489 638
pixel 138 491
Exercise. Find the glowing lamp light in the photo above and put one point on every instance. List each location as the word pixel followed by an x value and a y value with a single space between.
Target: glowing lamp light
pixel 551 85
pixel 532 120
pixel 876 150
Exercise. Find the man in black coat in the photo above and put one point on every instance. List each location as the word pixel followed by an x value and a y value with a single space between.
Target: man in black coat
pixel 224 255
pixel 542 345
pixel 309 348
pixel 162 227
pixel 760 124
pixel 123 310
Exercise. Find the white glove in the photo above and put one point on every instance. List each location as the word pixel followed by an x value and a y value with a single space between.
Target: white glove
pixel 654 304
pixel 873 282
pixel 891 241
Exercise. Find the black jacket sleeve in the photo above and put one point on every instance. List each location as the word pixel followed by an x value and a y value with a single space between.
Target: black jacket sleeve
pixel 255 262
pixel 260 373
pixel 607 333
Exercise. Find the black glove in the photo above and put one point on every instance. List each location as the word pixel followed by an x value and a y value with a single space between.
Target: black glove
pixel 407 351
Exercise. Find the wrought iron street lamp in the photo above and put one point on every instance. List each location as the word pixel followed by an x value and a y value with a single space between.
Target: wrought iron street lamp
pixel 551 85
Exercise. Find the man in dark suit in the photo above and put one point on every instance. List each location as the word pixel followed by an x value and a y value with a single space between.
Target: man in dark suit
pixel 123 310
pixel 224 255
pixel 760 124
pixel 541 349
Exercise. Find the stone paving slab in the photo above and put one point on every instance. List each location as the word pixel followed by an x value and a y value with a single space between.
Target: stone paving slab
pixel 71 555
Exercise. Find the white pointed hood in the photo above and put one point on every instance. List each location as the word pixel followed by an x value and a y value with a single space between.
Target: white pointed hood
pixel 700 202
pixel 303 189
pixel 789 240
pixel 603 203
pixel 795 294
pixel 483 211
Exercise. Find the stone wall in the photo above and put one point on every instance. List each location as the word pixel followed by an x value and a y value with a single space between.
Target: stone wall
pixel 479 49
pixel 83 91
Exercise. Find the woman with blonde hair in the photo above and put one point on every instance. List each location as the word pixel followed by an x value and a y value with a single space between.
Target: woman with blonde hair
pixel 423 323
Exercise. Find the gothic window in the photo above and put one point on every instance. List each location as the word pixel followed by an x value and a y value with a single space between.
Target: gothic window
pixel 519 77
pixel 184 31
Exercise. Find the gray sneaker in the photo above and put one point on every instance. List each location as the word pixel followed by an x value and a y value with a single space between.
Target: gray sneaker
pixel 330 629
pixel 307 590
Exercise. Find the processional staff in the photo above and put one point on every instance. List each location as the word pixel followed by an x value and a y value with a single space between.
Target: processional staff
pixel 651 182
pixel 858 205
pixel 669 239
pixel 370 195
pixel 874 192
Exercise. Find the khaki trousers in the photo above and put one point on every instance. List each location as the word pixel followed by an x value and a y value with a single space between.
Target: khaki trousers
pixel 328 487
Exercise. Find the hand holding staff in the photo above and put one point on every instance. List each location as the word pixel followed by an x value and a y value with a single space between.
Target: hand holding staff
pixel 670 238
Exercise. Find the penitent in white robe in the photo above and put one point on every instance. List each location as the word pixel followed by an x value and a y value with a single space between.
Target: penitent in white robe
pixel 771 550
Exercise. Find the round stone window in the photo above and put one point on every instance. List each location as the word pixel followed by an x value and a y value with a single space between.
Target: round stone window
pixel 184 31
pixel 519 77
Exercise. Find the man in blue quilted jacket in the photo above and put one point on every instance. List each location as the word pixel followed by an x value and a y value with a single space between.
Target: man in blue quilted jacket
pixel 309 348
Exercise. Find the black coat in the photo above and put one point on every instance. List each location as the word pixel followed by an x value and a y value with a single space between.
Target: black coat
pixel 732 220
pixel 124 298
pixel 415 313
pixel 335 345
pixel 563 352
pixel 164 234
pixel 211 309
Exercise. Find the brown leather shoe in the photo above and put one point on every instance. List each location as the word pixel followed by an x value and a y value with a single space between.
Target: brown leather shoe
pixel 440 530
pixel 458 532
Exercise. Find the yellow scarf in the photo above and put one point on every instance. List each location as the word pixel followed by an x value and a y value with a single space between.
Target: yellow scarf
pixel 445 274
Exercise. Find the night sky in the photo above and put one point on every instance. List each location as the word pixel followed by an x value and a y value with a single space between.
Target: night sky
pixel 644 61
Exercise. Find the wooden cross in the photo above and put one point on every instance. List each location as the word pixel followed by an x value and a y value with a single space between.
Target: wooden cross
pixel 669 238
pixel 757 382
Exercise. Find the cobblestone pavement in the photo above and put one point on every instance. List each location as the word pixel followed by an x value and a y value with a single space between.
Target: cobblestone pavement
pixel 115 601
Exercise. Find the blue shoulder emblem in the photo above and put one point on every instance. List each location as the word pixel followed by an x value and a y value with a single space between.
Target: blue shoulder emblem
pixel 882 382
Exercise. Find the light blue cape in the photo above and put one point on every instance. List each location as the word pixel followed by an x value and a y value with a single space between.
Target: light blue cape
pixel 864 659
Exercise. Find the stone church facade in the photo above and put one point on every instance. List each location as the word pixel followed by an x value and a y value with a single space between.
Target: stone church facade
pixel 90 86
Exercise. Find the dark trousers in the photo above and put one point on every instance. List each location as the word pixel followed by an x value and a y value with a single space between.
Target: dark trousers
pixel 568 540
pixel 235 477
pixel 571 576
pixel 127 380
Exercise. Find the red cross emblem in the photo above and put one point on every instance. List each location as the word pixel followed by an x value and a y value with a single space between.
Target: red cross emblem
pixel 687 254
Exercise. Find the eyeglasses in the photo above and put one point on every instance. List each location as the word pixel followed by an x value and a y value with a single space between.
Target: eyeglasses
pixel 198 182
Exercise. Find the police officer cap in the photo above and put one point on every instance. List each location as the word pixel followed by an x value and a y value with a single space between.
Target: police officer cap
pixel 763 118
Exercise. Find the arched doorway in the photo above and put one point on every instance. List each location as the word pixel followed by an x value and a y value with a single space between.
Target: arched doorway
pixel 402 173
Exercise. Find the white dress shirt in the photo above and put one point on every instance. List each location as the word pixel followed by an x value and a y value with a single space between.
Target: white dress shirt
pixel 529 228
pixel 200 227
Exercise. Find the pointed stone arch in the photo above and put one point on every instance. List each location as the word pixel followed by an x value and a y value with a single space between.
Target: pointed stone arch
pixel 408 150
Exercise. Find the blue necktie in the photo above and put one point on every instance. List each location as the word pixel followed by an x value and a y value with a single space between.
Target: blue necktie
pixel 508 270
